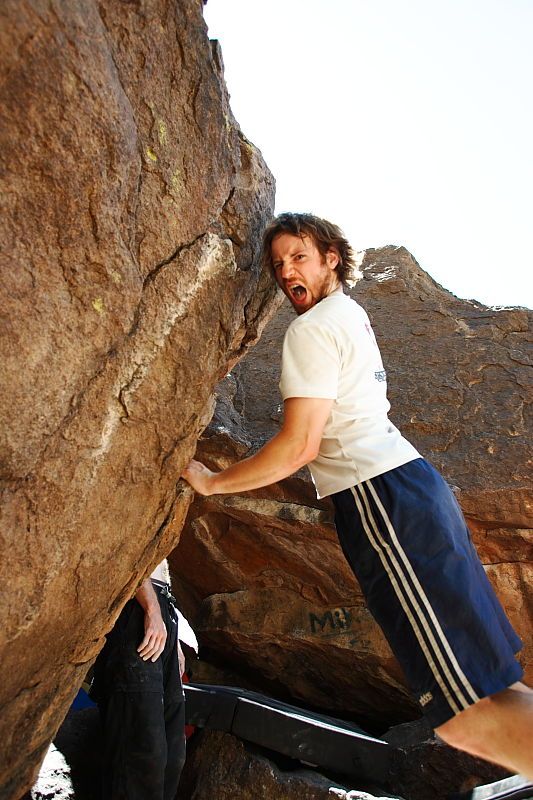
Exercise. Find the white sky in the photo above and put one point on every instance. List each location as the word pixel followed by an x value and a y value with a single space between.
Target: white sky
pixel 407 123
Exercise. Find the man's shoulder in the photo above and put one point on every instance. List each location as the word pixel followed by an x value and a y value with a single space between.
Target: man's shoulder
pixel 331 323
pixel 334 312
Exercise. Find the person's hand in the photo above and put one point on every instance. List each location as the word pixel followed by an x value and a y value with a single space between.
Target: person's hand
pixel 199 477
pixel 155 635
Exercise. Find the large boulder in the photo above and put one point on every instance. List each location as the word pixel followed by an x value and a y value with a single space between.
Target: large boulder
pixel 261 573
pixel 131 285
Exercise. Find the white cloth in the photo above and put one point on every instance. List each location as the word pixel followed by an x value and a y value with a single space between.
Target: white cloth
pixel 331 352
pixel 185 632
pixel 161 573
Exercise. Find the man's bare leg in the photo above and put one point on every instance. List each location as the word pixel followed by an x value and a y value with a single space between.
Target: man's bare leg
pixel 497 728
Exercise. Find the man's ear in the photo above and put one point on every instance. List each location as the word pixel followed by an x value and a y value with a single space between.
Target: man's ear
pixel 332 258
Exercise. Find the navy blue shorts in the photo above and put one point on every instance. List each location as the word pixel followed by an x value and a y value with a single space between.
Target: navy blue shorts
pixel 407 543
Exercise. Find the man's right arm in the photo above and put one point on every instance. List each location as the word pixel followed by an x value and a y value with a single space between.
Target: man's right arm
pixel 293 447
pixel 155 632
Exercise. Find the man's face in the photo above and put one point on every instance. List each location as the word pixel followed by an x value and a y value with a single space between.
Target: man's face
pixel 305 276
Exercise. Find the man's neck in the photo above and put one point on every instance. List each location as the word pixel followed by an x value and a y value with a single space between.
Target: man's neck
pixel 335 288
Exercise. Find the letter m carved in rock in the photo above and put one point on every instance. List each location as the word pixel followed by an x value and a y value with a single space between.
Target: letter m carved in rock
pixel 321 622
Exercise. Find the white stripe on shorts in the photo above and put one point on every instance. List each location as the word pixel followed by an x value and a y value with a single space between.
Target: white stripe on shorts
pixel 452 681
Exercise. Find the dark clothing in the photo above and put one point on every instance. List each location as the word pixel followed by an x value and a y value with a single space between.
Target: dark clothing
pixel 407 543
pixel 142 709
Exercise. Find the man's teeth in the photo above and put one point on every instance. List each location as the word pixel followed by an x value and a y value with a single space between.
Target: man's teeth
pixel 298 292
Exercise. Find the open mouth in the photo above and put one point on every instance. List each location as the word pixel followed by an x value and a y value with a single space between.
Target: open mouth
pixel 297 293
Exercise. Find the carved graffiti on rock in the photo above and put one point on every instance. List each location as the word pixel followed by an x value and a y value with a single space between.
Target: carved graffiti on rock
pixel 330 623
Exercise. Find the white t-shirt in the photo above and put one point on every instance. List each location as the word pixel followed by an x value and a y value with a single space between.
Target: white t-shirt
pixel 330 352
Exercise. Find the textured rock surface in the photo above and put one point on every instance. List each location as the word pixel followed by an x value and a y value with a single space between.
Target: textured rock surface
pixel 130 286
pixel 460 383
pixel 262 575
pixel 428 769
pixel 220 766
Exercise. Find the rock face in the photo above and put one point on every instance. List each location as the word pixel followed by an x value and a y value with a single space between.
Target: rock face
pixel 427 769
pixel 261 574
pixel 222 767
pixel 132 206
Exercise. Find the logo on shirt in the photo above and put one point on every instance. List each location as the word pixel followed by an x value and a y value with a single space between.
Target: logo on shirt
pixel 380 376
pixel 424 699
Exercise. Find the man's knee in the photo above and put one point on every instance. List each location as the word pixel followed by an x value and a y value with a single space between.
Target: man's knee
pixel 455 734
pixel 469 730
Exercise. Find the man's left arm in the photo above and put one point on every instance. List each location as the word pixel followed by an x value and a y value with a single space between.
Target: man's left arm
pixel 293 447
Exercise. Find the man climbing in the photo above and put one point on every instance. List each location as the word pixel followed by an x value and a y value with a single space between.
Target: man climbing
pixel 398 523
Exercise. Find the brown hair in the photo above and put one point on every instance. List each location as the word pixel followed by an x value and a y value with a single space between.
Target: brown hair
pixel 325 235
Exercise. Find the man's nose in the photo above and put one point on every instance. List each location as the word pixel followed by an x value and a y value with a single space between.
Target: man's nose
pixel 287 270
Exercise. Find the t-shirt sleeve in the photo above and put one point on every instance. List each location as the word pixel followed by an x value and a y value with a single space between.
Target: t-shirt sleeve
pixel 310 364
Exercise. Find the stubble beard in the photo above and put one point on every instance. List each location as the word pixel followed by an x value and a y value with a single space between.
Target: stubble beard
pixel 328 285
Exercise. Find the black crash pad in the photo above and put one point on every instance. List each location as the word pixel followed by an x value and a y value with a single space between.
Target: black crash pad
pixel 314 739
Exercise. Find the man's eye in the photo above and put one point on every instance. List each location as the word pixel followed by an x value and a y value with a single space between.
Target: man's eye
pixel 278 265
pixel 298 257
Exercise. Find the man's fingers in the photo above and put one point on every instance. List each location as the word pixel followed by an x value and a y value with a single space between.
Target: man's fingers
pixel 158 652
pixel 147 651
pixel 192 467
pixel 146 643
pixel 198 476
pixel 152 645
pixel 154 653
pixel 152 650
